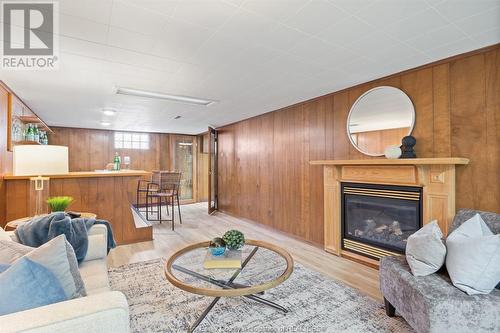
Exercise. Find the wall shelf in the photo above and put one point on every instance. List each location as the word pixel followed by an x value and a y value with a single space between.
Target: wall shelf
pixel 26 143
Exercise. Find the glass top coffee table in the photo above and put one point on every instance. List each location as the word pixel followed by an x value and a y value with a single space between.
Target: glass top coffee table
pixel 263 266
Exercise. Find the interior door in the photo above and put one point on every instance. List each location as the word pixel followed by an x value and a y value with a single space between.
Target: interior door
pixel 212 170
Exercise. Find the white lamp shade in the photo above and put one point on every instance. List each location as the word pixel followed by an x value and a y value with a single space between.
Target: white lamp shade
pixel 43 160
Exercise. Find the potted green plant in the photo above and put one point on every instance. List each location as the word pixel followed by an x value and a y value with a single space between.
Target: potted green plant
pixel 234 239
pixel 59 204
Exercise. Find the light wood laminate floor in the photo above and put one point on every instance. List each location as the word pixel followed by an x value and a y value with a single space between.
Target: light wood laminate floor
pixel 199 226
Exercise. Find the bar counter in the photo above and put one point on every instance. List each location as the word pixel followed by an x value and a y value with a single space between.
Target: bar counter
pixel 109 194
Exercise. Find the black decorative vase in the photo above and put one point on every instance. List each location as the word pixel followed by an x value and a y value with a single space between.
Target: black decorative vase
pixel 408 143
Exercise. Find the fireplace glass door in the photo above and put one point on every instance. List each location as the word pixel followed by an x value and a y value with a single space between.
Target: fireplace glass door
pixel 380 216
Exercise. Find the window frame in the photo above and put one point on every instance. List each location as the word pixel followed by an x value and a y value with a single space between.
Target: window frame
pixel 131 140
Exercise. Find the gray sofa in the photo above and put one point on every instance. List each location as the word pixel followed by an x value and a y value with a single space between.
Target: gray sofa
pixel 431 303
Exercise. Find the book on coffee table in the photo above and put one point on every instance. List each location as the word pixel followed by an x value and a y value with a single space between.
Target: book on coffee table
pixel 230 259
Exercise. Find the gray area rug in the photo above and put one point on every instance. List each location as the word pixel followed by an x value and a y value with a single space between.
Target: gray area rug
pixel 315 304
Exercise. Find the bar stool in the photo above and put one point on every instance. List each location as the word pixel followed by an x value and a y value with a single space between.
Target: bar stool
pixel 167 191
pixel 142 187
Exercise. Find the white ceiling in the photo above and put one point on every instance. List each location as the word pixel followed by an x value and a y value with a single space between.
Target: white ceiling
pixel 254 56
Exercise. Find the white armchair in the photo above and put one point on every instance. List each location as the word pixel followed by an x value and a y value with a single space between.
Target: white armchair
pixel 102 310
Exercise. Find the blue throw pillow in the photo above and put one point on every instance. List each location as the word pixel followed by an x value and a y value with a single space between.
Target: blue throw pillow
pixel 27 285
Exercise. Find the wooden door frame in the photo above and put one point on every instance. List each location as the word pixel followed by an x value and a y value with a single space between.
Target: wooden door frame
pixel 210 171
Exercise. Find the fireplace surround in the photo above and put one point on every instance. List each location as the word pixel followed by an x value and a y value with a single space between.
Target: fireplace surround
pixel 376 220
pixel 434 176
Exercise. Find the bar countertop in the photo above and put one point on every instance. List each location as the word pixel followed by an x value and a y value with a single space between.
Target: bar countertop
pixel 87 174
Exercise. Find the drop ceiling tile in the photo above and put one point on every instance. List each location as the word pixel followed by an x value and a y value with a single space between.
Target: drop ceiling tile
pixel 452 49
pixel 179 40
pixel 142 60
pixel 321 53
pixel 236 3
pixel 76 27
pixel 281 37
pixel 279 10
pixel 163 7
pixel 95 10
pixel 346 31
pixel 416 25
pixel 395 51
pixel 130 40
pixel 371 43
pixel 135 18
pixel 489 37
pixel 246 26
pixel 352 6
pixel 444 35
pixel 216 51
pixel 208 14
pixel 82 48
pixel 459 9
pixel 384 12
pixel 479 23
pixel 316 16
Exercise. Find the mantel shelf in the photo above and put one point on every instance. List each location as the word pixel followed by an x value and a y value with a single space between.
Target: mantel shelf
pixel 407 161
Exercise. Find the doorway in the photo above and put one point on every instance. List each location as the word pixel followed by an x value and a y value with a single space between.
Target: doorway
pixel 184 160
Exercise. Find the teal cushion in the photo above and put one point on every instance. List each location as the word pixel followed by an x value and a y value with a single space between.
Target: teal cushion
pixel 27 285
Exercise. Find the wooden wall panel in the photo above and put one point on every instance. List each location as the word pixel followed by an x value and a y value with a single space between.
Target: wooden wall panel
pixel 457 114
pixel 5 156
pixel 91 149
pixel 442 121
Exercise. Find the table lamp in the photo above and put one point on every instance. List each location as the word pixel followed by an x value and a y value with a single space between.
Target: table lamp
pixel 38 162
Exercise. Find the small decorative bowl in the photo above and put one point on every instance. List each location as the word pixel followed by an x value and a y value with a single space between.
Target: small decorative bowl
pixel 217 251
pixel 217 246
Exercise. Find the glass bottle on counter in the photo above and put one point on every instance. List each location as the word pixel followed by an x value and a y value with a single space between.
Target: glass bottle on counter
pixel 116 162
pixel 30 135
pixel 36 133
pixel 43 137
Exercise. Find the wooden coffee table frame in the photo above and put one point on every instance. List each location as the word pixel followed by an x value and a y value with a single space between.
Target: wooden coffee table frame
pixel 229 288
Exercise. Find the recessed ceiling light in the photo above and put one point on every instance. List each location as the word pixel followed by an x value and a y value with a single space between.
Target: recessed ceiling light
pixel 175 98
pixel 109 112
pixel 105 123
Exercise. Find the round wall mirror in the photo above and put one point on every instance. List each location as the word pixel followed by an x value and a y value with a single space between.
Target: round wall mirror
pixel 379 118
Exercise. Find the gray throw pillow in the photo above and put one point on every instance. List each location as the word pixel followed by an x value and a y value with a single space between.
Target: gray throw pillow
pixel 11 251
pixel 57 255
pixel 473 260
pixel 425 250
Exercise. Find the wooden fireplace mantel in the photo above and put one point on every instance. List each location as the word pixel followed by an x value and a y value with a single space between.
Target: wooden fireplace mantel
pixel 399 161
pixel 436 176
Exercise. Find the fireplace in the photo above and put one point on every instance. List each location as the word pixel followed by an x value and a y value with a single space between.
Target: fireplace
pixel 376 220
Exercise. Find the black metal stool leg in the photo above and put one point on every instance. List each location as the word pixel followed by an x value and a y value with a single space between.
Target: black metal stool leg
pixel 159 209
pixel 179 208
pixel 173 212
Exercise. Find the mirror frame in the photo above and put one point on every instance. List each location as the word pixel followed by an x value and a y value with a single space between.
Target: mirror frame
pixel 359 99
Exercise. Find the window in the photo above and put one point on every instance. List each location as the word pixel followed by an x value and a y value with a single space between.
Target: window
pixel 125 140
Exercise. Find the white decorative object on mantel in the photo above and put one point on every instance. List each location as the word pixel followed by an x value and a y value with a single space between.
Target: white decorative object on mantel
pixel 392 152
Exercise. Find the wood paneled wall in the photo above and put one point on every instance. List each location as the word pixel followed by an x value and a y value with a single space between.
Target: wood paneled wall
pixel 91 149
pixel 264 173
pixel 5 156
